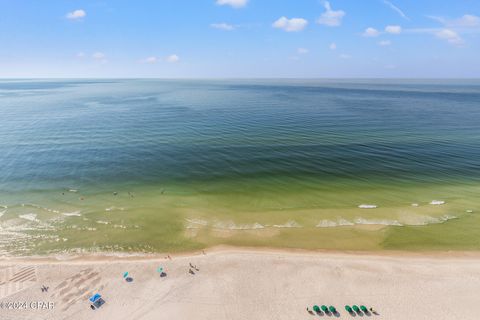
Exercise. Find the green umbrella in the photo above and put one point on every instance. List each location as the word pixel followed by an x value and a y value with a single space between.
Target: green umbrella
pixel 332 309
pixel 316 308
pixel 324 308
pixel 349 310
pixel 356 308
pixel 364 309
pixel 125 274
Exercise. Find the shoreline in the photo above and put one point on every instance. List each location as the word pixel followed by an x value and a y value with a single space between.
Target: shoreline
pixel 226 249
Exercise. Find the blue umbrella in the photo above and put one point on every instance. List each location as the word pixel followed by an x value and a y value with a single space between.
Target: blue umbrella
pixel 95 297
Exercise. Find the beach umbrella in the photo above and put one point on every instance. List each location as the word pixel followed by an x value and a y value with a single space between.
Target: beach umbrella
pixel 316 308
pixel 349 309
pixel 364 309
pixel 160 270
pixel 332 309
pixel 95 297
pixel 356 308
pixel 324 308
pixel 125 275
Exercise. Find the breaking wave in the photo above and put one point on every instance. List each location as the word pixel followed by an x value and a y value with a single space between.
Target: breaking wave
pixel 367 206
pixel 233 226
pixel 29 217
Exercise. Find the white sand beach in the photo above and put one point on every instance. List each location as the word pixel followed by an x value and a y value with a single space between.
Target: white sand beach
pixel 244 284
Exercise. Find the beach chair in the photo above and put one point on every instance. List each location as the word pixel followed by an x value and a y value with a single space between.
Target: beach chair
pixel 96 301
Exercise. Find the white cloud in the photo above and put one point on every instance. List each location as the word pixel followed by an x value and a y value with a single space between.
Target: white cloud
pixel 393 29
pixel 172 58
pixel 345 56
pixel 333 46
pixel 396 9
pixel 449 35
pixel 384 43
pixel 331 17
pixel 77 14
pixel 371 32
pixel 98 56
pixel 466 21
pixel 222 26
pixel 302 51
pixel 151 59
pixel 290 25
pixel 233 3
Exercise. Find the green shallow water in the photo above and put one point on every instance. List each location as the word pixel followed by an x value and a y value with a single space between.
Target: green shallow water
pixel 157 165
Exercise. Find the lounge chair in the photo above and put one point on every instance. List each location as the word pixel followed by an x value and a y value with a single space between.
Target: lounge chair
pixel 96 301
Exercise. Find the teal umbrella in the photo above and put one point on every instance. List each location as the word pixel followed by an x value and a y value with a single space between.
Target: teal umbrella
pixel 324 308
pixel 316 308
pixel 356 308
pixel 125 275
pixel 160 270
pixel 364 309
pixel 332 309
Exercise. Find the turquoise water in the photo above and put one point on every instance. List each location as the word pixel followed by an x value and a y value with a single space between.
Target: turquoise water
pixel 155 165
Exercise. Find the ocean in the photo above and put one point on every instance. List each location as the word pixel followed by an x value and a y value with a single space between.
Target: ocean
pixel 89 165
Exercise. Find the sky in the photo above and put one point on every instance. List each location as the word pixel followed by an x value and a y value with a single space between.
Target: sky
pixel 240 38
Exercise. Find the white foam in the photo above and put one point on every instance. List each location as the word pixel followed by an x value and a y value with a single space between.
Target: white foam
pixel 198 221
pixel 367 206
pixel 72 190
pixel 232 226
pixel 3 211
pixel 469 211
pixel 344 222
pixel 72 214
pixel 384 222
pixel 326 224
pixel 437 202
pixel 426 220
pixel 289 224
pixel 114 208
pixel 36 206
pixel 29 217
pixel 359 221
pixel 414 204
pixel 102 222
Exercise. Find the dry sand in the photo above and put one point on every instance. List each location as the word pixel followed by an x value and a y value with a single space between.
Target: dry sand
pixel 246 284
